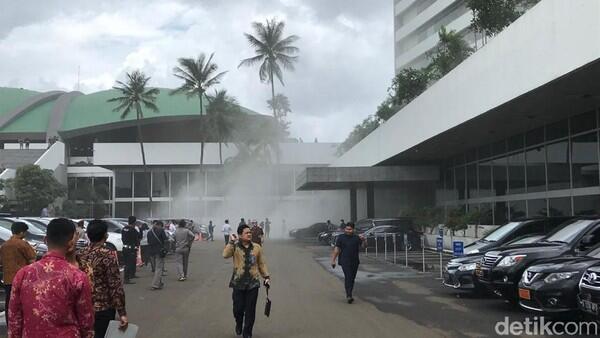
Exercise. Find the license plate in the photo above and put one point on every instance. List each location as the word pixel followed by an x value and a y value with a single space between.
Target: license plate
pixel 590 307
pixel 524 294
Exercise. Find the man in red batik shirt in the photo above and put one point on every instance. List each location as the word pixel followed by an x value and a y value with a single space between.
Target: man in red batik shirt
pixel 52 297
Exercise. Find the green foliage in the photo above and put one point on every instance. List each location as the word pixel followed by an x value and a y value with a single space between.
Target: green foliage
pixel 35 188
pixel 407 85
pixel 86 201
pixel 426 216
pixel 490 17
pixel 280 105
pixel 222 117
pixel 359 132
pixel 451 50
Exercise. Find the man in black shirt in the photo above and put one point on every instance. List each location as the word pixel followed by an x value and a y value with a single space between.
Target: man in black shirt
pixel 131 241
pixel 347 248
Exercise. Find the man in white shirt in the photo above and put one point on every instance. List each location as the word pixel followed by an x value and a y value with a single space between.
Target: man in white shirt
pixel 226 231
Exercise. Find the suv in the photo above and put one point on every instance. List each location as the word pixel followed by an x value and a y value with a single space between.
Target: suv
pixel 458 273
pixel 501 270
pixel 364 225
pixel 589 291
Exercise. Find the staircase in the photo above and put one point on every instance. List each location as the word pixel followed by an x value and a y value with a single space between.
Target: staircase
pixel 16 158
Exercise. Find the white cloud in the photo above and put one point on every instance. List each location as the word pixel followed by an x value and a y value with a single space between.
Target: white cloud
pixel 345 65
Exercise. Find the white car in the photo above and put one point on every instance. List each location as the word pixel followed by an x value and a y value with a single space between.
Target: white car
pixel 114 235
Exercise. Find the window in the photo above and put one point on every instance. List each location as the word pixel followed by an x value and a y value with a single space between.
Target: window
pixel 179 184
pixel 123 209
pixel 486 214
pixel 517 210
pixel 560 206
pixel 583 122
pixel 472 181
pixel 558 166
pixel 197 182
pixel 586 205
pixel 141 184
pixel 485 179
pixel 215 183
pixel 537 207
pixel 500 213
pixel 516 173
pixel 123 184
pixel 141 209
pixel 102 188
pixel 557 130
pixel 536 169
pixel 584 160
pixel 535 136
pixel 499 174
pixel 460 182
pixel 160 184
pixel 516 143
pixel 160 209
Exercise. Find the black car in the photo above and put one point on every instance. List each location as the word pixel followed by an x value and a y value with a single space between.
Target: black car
pixel 382 237
pixel 589 292
pixel 552 286
pixel 458 273
pixel 364 225
pixel 501 270
pixel 309 232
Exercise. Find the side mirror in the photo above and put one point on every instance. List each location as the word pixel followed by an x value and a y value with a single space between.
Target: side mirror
pixel 586 241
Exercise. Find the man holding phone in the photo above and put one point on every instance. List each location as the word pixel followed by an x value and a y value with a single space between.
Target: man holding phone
pixel 248 266
pixel 347 247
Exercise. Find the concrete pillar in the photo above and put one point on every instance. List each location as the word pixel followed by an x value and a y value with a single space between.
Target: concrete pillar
pixel 353 213
pixel 370 200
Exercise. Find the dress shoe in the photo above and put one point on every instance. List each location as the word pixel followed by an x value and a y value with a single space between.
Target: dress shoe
pixel 350 300
pixel 238 329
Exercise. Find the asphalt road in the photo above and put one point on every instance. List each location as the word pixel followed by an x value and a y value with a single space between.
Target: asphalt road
pixel 308 301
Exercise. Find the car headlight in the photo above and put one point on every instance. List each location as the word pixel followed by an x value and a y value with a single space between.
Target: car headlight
pixel 558 276
pixel 467 267
pixel 511 260
pixel 474 251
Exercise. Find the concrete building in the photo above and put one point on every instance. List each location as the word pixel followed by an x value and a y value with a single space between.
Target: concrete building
pixel 512 131
pixel 416 27
pixel 99 151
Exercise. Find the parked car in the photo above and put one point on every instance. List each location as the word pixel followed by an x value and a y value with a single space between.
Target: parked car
pixel 551 286
pixel 501 270
pixel 308 232
pixel 34 233
pixel 364 225
pixel 383 235
pixel 5 234
pixel 458 273
pixel 589 292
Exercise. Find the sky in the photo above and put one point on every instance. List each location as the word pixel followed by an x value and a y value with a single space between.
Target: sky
pixel 345 64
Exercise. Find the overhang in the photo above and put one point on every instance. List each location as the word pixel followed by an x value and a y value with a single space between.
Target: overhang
pixel 329 178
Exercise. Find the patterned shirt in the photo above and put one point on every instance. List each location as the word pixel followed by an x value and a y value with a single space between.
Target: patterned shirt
pixel 248 265
pixel 51 298
pixel 101 266
pixel 15 254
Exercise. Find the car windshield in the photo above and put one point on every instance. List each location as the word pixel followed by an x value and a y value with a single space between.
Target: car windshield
pixel 568 233
pixel 525 240
pixel 502 231
pixel 5 234
pixel 595 253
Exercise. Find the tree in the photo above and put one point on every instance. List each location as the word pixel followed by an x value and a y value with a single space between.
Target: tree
pixel 136 93
pixel 35 188
pixel 407 85
pixel 198 76
pixel 280 105
pixel 451 50
pixel 490 17
pixel 221 111
pixel 359 132
pixel 273 52
pixel 86 201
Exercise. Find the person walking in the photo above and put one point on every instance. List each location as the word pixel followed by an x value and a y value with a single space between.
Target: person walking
pixel 52 297
pixel 347 248
pixel 243 221
pixel 248 266
pixel 257 233
pixel 14 255
pixel 267 227
pixel 342 225
pixel 80 230
pixel 183 244
pixel 131 241
pixel 211 229
pixel 144 248
pixel 227 231
pixel 157 240
pixel 102 267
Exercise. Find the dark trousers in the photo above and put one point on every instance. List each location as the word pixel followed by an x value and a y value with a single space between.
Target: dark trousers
pixel 7 290
pixel 244 308
pixel 210 236
pixel 129 257
pixel 102 318
pixel 350 271
pixel 226 239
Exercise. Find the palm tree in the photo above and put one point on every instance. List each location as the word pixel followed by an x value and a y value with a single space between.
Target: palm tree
pixel 135 93
pixel 198 76
pixel 221 111
pixel 272 50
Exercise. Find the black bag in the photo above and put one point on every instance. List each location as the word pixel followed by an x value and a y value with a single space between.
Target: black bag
pixel 268 303
pixel 163 252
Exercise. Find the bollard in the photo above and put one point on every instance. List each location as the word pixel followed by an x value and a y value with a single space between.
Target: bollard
pixel 441 274
pixel 376 248
pixel 394 239
pixel 385 246
pixel 423 250
pixel 406 254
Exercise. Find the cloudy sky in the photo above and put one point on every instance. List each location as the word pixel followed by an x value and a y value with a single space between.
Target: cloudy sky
pixel 345 65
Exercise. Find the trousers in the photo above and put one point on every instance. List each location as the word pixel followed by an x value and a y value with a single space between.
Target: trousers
pixel 129 257
pixel 350 271
pixel 244 309
pixel 7 290
pixel 159 266
pixel 182 257
pixel 101 320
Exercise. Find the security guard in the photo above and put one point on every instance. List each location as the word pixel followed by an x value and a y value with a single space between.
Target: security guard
pixel 131 241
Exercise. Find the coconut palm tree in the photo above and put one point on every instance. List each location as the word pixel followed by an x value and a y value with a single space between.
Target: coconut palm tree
pixel 198 76
pixel 273 52
pixel 134 94
pixel 221 112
